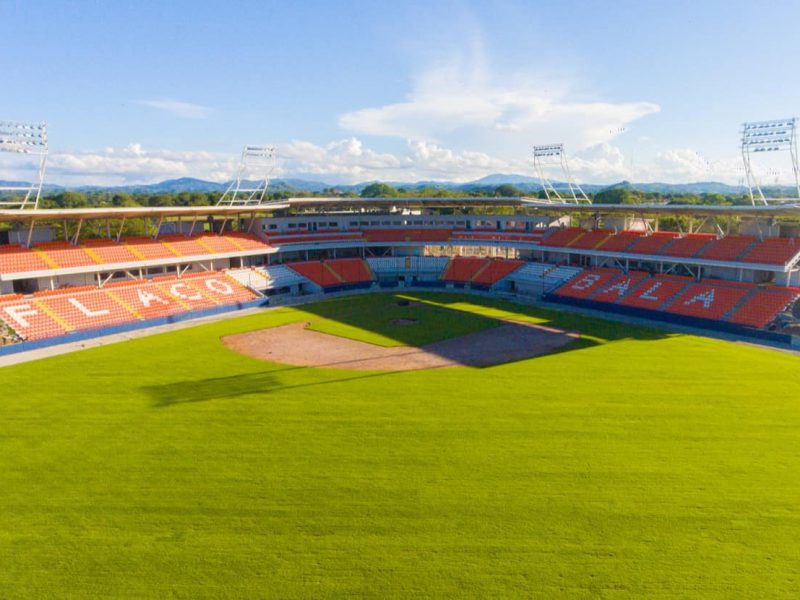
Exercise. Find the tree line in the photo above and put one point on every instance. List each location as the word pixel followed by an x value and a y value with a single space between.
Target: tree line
pixel 614 195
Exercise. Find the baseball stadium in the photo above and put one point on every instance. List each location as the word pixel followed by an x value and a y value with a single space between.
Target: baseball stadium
pixel 393 397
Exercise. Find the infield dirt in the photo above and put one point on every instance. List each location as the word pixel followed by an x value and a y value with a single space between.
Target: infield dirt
pixel 297 345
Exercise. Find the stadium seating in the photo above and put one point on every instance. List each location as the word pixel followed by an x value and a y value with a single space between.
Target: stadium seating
pixel 619 242
pixel 728 248
pixel 619 287
pixel 462 269
pixel 687 246
pixel 351 270
pixel 182 245
pixel 56 312
pixel 65 255
pixel 245 241
pixel 407 264
pixel 655 292
pixel 252 278
pixel 335 272
pixel 562 237
pixel 148 249
pixel 738 303
pixel 280 276
pixel 587 283
pixel 591 239
pixel 707 301
pixel 762 307
pixel 653 243
pixel 109 251
pixel 19 259
pixel 216 244
pixel 773 251
pixel 498 269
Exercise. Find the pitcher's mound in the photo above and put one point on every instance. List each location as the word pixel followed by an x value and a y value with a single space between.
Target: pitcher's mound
pixel 295 345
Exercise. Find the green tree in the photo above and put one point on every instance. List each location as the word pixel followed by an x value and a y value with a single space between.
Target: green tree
pixel 507 191
pixel 379 190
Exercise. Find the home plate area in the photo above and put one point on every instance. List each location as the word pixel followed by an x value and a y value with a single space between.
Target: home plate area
pixel 297 345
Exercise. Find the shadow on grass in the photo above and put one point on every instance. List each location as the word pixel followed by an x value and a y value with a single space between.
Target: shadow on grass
pixel 235 386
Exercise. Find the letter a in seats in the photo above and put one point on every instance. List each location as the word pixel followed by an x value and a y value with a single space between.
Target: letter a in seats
pixel 707 298
pixel 620 287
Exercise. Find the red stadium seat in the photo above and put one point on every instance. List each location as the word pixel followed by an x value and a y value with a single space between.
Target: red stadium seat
pixel 620 241
pixel 587 283
pixel 562 237
pixel 592 239
pixel 707 301
pixel 653 293
pixel 619 287
pixel 653 243
pixel 687 246
pixel 727 248
pixel 773 251
pixel 762 308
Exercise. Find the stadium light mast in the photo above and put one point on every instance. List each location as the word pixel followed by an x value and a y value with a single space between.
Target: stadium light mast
pixel 768 136
pixel 29 139
pixel 258 161
pixel 554 154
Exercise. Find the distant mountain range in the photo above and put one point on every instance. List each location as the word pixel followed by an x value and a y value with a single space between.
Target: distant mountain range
pixel 489 183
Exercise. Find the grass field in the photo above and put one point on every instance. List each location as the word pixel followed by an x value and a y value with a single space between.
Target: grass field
pixel 632 463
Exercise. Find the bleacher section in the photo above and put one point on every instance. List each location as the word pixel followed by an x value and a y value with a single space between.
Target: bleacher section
pixel 408 264
pixel 339 272
pixel 281 276
pixel 562 237
pixel 718 300
pixel 592 239
pixel 729 248
pixel 61 255
pixel 773 251
pixel 688 246
pixel 653 243
pixel 540 277
pixel 620 241
pixel 462 269
pixel 53 313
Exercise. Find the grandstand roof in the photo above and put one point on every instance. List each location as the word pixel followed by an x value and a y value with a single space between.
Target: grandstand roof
pixel 337 203
pixel 49 214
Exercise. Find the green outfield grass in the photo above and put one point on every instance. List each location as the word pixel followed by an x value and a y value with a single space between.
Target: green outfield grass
pixel 631 463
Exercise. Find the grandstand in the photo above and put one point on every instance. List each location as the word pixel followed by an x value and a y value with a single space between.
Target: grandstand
pixel 55 286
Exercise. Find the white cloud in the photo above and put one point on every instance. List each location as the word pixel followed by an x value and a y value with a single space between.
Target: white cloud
pixel 184 110
pixel 349 160
pixel 458 104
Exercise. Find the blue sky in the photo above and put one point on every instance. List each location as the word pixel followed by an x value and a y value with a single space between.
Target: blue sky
pixel 143 91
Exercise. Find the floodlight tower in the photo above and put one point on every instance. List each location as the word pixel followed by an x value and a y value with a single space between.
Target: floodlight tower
pixel 552 154
pixel 28 139
pixel 258 161
pixel 768 136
